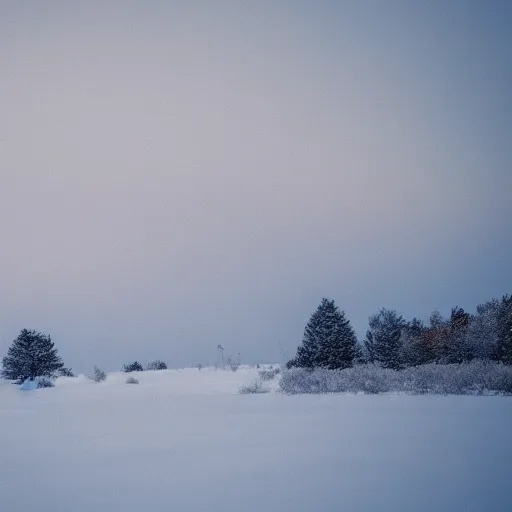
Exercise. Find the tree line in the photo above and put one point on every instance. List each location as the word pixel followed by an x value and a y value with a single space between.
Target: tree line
pixel 391 341
pixel 330 342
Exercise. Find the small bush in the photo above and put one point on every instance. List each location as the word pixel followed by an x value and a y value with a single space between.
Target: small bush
pixel 131 380
pixel 255 388
pixel 132 367
pixel 44 382
pixel 98 375
pixel 156 365
pixel 269 374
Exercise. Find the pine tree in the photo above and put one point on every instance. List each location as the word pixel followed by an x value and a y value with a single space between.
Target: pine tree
pixel 32 354
pixel 456 349
pixel 329 340
pixel 385 335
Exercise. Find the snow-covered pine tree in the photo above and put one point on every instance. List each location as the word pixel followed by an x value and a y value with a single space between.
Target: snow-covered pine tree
pixel 329 340
pixel 32 354
pixel 385 334
pixel 338 345
pixel 456 349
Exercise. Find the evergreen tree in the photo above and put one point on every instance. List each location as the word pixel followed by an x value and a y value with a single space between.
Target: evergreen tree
pixel 456 349
pixel 385 335
pixel 32 354
pixel 329 340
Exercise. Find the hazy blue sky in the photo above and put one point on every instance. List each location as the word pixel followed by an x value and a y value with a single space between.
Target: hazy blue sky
pixel 174 175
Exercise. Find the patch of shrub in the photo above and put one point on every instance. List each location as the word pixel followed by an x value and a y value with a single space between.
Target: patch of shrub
pixel 156 365
pixel 44 382
pixel 476 377
pixel 132 367
pixel 98 375
pixel 131 380
pixel 255 388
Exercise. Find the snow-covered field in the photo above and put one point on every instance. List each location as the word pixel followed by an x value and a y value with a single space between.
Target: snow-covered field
pixel 187 441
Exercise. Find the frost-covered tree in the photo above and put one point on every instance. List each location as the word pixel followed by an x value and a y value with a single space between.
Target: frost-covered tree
pixel 156 365
pixel 329 340
pixel 383 338
pixel 32 354
pixel 414 350
pixel 455 346
pixel 482 334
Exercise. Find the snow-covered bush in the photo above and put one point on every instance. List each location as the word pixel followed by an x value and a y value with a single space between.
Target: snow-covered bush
pixel 476 377
pixel 269 374
pixel 367 378
pixel 98 375
pixel 233 364
pixel 254 388
pixel 156 365
pixel 131 380
pixel 44 382
pixel 132 367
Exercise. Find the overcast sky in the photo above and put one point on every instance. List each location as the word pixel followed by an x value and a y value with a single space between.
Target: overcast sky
pixel 174 175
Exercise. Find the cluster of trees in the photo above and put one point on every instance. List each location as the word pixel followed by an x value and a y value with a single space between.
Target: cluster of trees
pixel 33 354
pixel 137 367
pixel 393 342
pixel 330 342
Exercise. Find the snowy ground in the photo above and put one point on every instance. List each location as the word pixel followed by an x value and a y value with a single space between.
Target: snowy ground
pixel 187 441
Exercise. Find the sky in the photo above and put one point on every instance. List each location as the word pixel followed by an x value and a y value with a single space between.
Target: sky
pixel 175 175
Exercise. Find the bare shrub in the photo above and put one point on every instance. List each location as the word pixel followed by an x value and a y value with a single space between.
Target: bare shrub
pixel 131 380
pixel 98 375
pixel 255 388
